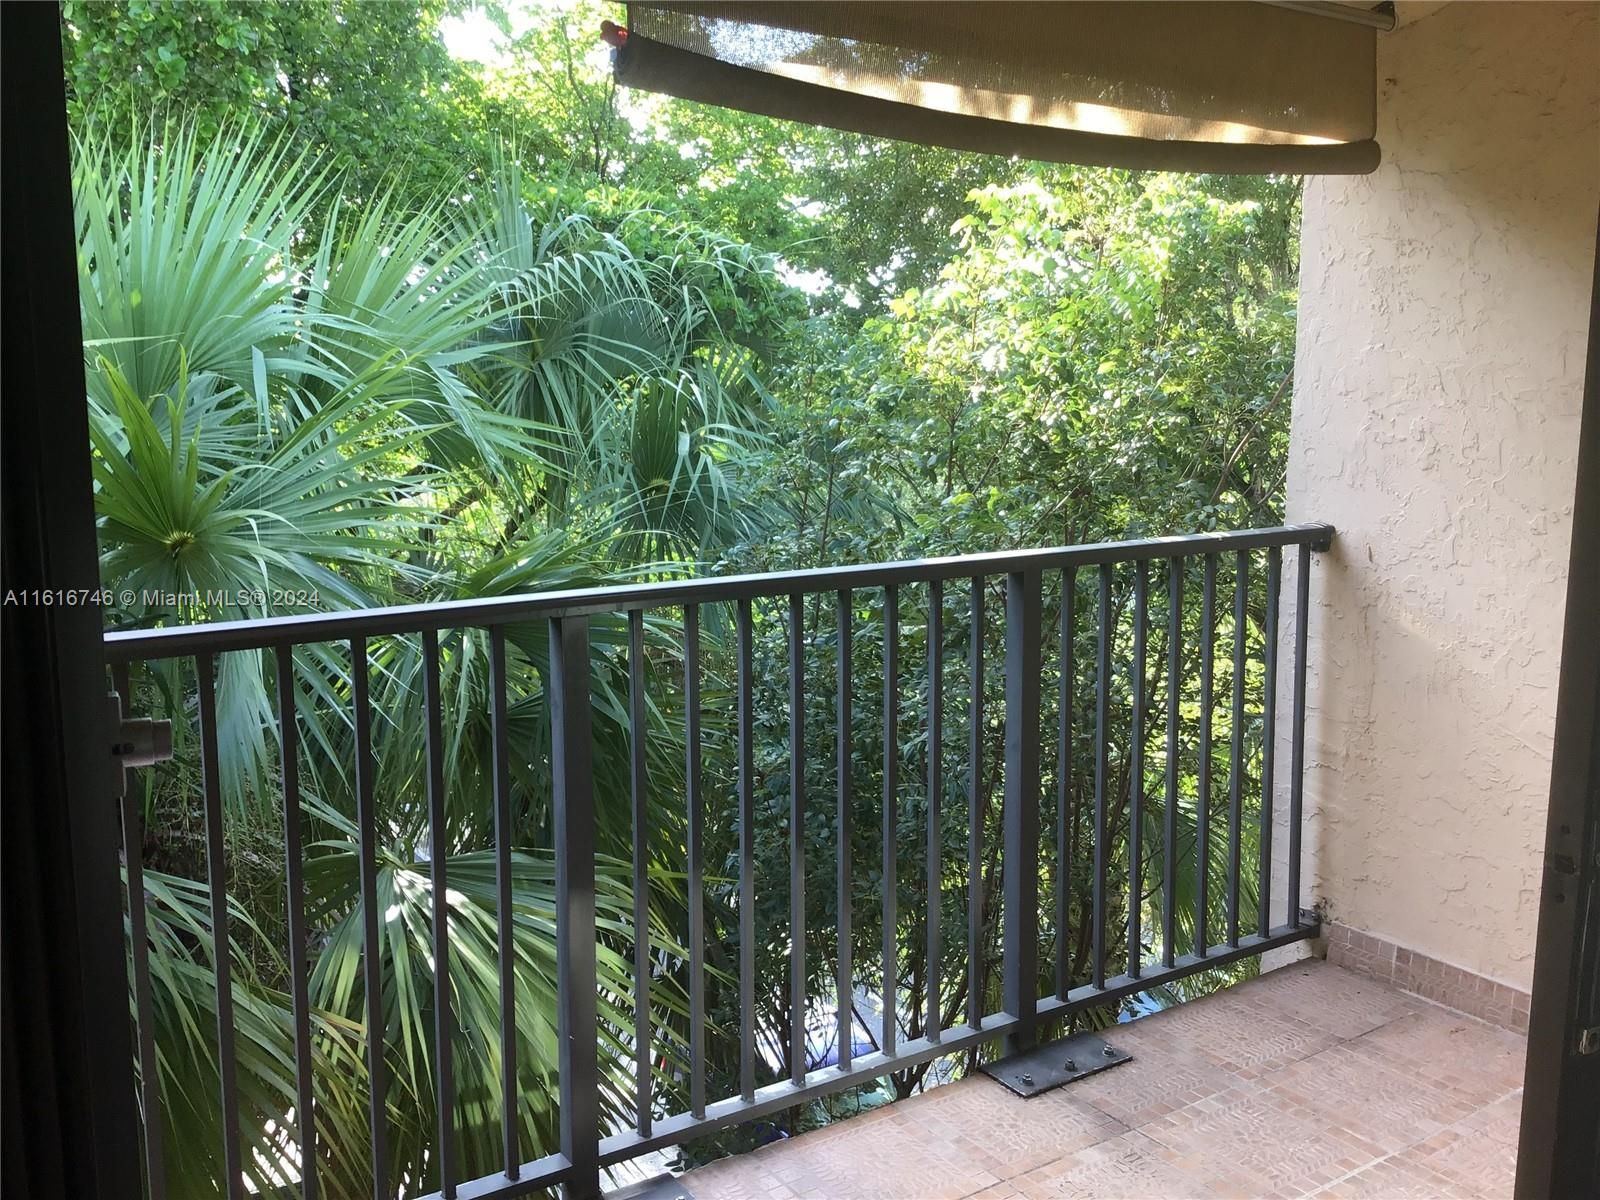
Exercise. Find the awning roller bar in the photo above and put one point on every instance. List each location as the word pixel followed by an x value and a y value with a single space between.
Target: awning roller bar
pixel 1380 16
pixel 1237 87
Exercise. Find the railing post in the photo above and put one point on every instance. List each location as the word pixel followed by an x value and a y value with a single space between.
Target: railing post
pixel 144 1002
pixel 438 854
pixel 1297 746
pixel 504 836
pixel 371 921
pixel 572 775
pixel 977 978
pixel 1020 861
pixel 695 831
pixel 1269 739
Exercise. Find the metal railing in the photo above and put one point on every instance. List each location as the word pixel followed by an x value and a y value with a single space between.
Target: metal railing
pixel 1033 994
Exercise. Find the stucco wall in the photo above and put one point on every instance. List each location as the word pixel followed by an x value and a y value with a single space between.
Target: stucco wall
pixel 1443 320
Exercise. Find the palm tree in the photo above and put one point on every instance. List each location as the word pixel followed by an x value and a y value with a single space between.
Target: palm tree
pixel 467 399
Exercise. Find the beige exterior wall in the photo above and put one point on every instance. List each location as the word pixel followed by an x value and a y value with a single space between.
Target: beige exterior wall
pixel 1443 322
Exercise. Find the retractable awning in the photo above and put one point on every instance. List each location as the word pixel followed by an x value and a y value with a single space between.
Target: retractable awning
pixel 1222 87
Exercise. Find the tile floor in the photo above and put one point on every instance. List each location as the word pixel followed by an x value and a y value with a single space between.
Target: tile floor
pixel 1309 1081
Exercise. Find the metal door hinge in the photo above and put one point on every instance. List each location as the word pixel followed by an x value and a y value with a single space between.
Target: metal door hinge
pixel 1589 1040
pixel 135 742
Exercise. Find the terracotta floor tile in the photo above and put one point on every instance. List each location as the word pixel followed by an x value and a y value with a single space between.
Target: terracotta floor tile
pixel 1500 1121
pixel 1245 1038
pixel 1162 1077
pixel 737 1178
pixel 1338 1002
pixel 1478 1154
pixel 1392 1179
pixel 991 1125
pixel 1478 1061
pixel 1310 1081
pixel 1380 1103
pixel 1129 1167
pixel 1000 1191
pixel 1249 1140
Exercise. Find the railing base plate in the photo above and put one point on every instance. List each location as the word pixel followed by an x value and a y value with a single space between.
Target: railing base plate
pixel 1047 1067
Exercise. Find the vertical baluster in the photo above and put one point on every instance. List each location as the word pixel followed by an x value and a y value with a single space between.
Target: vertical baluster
pixel 1208 633
pixel 294 898
pixel 371 954
pixel 221 958
pixel 844 984
pixel 572 805
pixel 797 838
pixel 932 1020
pixel 891 813
pixel 1269 733
pixel 504 837
pixel 1102 774
pixel 144 1001
pixel 1064 827
pixel 1136 677
pixel 642 1048
pixel 438 852
pixel 1021 814
pixel 1297 748
pixel 747 860
pixel 1169 839
pixel 975 980
pixel 696 854
pixel 1241 583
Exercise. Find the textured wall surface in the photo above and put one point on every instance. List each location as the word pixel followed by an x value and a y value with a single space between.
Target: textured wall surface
pixel 1443 321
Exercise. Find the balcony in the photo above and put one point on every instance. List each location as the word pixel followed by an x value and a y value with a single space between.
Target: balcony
pixel 1439 408
pixel 1122 830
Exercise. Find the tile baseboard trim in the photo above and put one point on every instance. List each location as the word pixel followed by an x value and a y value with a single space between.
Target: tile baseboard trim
pixel 1415 972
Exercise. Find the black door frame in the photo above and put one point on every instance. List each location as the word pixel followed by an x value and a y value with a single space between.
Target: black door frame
pixel 1558 1153
pixel 69 1116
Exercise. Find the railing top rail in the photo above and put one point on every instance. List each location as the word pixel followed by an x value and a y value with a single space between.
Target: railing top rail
pixel 135 645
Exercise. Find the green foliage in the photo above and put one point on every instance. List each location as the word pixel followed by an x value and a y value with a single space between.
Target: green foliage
pixel 366 84
pixel 405 894
pixel 399 408
pixel 1106 356
pixel 868 217
pixel 182 945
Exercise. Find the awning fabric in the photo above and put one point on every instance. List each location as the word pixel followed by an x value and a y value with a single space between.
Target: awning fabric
pixel 1221 87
